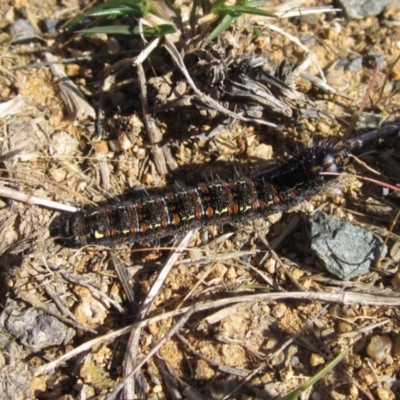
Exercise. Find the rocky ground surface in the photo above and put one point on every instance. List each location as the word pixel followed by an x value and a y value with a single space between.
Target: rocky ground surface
pixel 261 314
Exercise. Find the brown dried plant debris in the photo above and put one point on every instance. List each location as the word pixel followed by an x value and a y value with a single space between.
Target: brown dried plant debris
pixel 241 311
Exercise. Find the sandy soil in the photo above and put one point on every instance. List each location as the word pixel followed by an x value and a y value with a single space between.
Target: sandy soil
pixel 259 323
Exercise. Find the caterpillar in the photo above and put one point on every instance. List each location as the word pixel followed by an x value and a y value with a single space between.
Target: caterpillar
pixel 214 202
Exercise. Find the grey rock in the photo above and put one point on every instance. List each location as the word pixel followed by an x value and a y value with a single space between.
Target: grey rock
pixel 50 25
pixel 379 347
pixel 21 31
pixel 345 250
pixel 15 376
pixel 355 65
pixel 15 382
pixel 34 328
pixel 359 9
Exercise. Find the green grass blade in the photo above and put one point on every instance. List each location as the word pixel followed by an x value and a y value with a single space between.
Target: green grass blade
pixel 256 3
pixel 133 4
pixel 222 26
pixel 219 3
pixel 114 12
pixel 129 7
pixel 261 288
pixel 233 12
pixel 112 9
pixel 159 30
pixel 296 393
pixel 242 10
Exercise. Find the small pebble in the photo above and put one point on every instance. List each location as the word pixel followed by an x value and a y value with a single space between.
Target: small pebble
pixel 354 392
pixel 147 179
pixel 231 274
pixel 167 293
pixel 38 385
pixel 58 174
pixel 113 46
pixel 50 25
pixel 323 127
pixel 297 273
pixel 345 327
pixel 203 371
pixel 157 389
pixel 355 65
pixel 124 142
pixel 63 142
pixel 219 270
pixel 101 147
pixel 279 310
pixel 379 347
pixel 263 152
pixel 270 266
pixel 316 360
pixel 368 376
pixel 272 390
pixel 384 394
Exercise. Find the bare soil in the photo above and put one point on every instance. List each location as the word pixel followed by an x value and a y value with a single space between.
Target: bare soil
pixel 57 299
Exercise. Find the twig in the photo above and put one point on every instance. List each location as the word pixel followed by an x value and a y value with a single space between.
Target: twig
pixel 33 200
pixel 283 12
pixel 346 298
pixel 359 141
pixel 362 106
pixel 152 131
pixel 297 42
pixel 123 276
pixel 281 264
pixel 131 356
pixel 154 349
pixel 28 298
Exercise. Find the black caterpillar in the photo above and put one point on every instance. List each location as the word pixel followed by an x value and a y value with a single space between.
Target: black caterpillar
pixel 210 203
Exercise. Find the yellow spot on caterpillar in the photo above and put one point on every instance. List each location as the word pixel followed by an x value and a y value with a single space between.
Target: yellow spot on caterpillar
pixel 98 235
pixel 188 217
pixel 221 212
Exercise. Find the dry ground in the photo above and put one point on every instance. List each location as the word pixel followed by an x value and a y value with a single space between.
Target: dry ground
pixel 244 339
